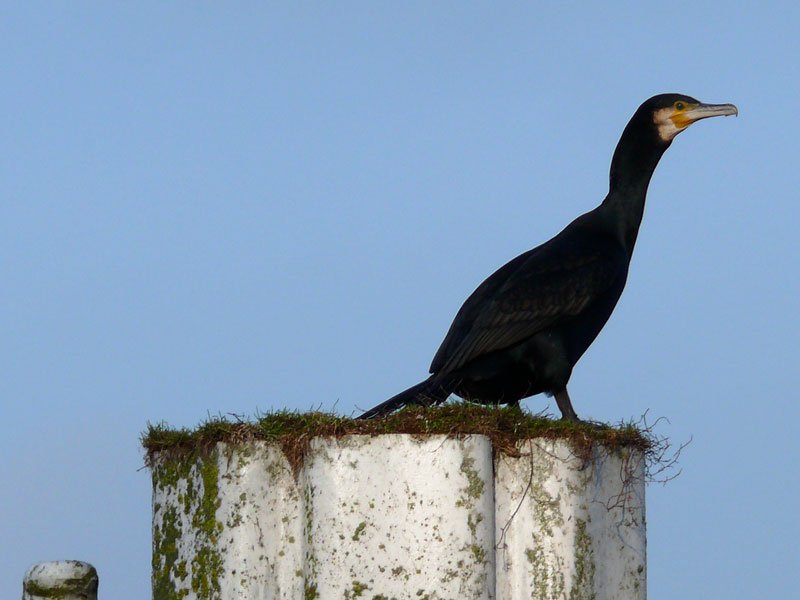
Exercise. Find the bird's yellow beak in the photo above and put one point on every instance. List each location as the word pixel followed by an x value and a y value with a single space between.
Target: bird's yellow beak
pixel 683 118
pixel 676 118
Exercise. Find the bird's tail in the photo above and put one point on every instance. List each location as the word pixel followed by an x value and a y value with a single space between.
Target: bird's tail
pixel 431 391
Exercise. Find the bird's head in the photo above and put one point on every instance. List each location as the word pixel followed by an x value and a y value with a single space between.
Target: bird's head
pixel 650 132
pixel 672 113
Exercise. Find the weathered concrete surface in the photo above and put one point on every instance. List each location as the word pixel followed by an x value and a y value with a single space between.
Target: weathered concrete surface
pixel 396 517
pixel 60 580
pixel 227 526
pixel 570 527
pixel 400 516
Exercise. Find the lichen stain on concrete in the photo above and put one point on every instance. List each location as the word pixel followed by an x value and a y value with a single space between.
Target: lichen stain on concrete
pixel 311 592
pixel 583 580
pixel 547 575
pixel 204 504
pixel 359 530
pixel 472 572
pixel 356 591
pixel 168 573
pixel 191 490
pixel 475 485
pixel 560 516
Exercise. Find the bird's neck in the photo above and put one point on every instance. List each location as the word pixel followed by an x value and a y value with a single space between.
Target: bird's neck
pixel 635 159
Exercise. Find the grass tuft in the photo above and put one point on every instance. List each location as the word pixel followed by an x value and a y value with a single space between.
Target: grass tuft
pixel 293 431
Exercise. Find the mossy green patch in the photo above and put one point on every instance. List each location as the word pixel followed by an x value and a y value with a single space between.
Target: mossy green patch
pixel 293 431
pixel 194 480
pixel 359 530
pixel 583 581
pixel 548 582
pixel 167 570
pixel 356 590
pixel 475 484
pixel 73 587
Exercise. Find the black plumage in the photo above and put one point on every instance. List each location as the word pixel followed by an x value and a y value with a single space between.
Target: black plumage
pixel 522 330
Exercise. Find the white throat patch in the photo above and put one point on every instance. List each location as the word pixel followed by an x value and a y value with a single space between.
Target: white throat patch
pixel 667 129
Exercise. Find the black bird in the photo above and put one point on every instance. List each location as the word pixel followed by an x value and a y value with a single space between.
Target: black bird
pixel 522 330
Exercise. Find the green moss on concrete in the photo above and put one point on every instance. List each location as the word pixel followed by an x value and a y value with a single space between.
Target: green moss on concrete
pixel 548 578
pixel 359 530
pixel 475 485
pixel 167 569
pixel 186 461
pixel 236 518
pixel 583 582
pixel 548 583
pixel 207 562
pixel 181 571
pixel 478 553
pixel 196 507
pixel 71 587
pixel 292 431
pixel 356 591
pixel 473 520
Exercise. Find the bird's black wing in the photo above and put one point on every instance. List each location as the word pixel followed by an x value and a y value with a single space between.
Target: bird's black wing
pixel 536 290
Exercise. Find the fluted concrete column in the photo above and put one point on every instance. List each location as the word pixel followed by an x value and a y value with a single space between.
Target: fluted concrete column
pixel 400 516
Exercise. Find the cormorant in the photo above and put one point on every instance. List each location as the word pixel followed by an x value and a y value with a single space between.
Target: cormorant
pixel 522 330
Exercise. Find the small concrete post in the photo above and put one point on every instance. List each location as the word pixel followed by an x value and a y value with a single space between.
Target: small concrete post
pixel 400 516
pixel 60 580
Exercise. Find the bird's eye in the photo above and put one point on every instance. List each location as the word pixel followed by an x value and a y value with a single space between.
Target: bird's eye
pixel 679 105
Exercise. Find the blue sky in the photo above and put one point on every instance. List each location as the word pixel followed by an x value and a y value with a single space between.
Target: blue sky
pixel 231 208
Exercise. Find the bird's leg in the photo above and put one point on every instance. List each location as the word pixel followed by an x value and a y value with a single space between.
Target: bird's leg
pixel 565 406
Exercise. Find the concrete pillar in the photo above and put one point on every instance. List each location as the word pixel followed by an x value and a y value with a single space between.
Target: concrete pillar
pixel 60 580
pixel 568 526
pixel 399 516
